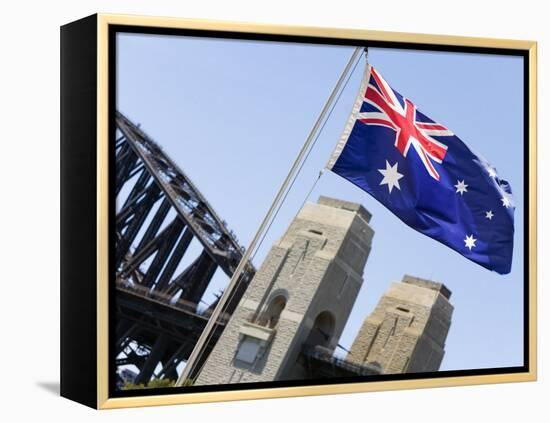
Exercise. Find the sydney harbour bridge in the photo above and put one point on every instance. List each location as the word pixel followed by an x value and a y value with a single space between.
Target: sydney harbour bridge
pixel 158 318
pixel 158 313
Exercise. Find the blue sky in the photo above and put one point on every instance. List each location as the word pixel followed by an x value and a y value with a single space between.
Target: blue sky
pixel 234 114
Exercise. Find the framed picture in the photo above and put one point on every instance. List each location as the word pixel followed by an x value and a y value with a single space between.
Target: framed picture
pixel 253 211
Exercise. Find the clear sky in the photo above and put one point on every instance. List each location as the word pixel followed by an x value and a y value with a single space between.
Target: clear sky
pixel 234 114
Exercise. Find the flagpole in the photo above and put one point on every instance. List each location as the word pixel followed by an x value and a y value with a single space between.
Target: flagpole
pixel 205 335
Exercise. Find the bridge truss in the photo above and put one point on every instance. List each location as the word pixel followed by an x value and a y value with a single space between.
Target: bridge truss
pixel 158 318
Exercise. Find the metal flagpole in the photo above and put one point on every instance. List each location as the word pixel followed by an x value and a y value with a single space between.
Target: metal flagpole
pixel 197 350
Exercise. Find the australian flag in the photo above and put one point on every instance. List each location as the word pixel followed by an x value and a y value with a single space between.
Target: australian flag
pixel 426 175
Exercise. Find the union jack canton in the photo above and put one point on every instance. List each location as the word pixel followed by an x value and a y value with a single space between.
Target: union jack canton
pixel 426 175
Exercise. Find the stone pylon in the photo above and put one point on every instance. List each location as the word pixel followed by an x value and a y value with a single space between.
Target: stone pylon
pixel 300 297
pixel 406 332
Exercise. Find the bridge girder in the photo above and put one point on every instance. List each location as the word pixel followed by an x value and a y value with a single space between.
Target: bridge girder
pixel 163 211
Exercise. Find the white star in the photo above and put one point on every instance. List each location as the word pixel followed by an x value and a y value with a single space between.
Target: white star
pixel 507 200
pixel 461 187
pixel 489 214
pixel 391 176
pixel 492 172
pixel 470 241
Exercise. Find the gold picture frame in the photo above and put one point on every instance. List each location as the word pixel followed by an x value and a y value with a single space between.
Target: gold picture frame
pixel 97 32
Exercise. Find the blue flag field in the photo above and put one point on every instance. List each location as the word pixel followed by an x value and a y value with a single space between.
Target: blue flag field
pixel 426 175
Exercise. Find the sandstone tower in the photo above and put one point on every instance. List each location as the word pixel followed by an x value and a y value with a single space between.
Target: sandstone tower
pixel 300 297
pixel 406 332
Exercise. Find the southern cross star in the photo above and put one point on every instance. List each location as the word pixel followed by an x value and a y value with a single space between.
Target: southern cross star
pixel 461 187
pixel 391 176
pixel 470 242
pixel 492 172
pixel 489 214
pixel 506 200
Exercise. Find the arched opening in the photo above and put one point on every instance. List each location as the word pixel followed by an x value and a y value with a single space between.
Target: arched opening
pixel 322 330
pixel 270 317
